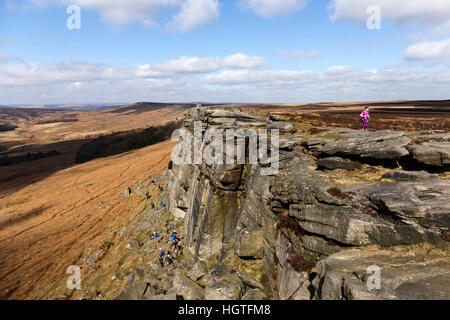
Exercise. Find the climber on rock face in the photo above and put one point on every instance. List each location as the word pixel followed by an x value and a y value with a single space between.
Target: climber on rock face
pixel 161 256
pixel 174 239
pixel 169 260
pixel 175 242
pixel 179 251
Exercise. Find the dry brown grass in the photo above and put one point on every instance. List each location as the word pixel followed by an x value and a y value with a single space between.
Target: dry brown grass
pixel 300 264
pixel 37 249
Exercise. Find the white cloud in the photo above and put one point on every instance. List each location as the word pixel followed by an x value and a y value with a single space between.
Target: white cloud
pixel 194 13
pixel 337 83
pixel 299 55
pixel 210 79
pixel 400 11
pixel 29 74
pixel 24 74
pixel 238 77
pixel 204 65
pixel 339 70
pixel 272 8
pixel 189 65
pixel 434 50
pixel 243 61
pixel 118 12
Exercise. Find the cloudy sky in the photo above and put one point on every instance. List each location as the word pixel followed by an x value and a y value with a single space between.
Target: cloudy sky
pixel 223 51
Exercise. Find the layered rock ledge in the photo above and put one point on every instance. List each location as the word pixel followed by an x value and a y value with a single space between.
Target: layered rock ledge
pixel 340 203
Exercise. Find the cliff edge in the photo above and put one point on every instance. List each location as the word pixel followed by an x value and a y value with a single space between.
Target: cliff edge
pixel 346 215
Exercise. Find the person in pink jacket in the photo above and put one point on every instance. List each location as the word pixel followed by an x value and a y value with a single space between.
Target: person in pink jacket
pixel 365 115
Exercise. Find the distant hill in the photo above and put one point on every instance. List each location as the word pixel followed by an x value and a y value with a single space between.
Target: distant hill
pixel 93 106
pixel 140 107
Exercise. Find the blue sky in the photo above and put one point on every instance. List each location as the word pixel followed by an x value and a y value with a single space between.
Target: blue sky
pixel 223 51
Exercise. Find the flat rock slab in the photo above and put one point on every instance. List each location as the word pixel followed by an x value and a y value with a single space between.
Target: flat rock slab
pixel 426 203
pixel 333 163
pixel 183 286
pixel 404 275
pixel 402 175
pixel 433 154
pixel 289 143
pixel 377 145
pixel 435 137
pixel 281 126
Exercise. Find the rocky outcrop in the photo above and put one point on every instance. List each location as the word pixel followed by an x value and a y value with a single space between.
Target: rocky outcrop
pixel 402 175
pixel 433 154
pixel 403 274
pixel 187 288
pixel 333 163
pixel 224 284
pixel 310 232
pixel 378 145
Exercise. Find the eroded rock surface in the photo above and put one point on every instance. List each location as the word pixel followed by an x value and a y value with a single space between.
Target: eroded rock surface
pixel 306 234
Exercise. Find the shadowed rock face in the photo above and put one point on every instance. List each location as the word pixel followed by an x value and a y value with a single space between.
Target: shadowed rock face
pixel 302 216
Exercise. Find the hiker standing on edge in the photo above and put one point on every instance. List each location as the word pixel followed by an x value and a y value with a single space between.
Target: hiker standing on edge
pixel 365 115
pixel 198 108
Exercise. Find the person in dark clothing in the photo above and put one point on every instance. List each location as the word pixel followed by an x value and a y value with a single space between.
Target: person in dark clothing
pixel 153 205
pixel 161 257
pixel 169 261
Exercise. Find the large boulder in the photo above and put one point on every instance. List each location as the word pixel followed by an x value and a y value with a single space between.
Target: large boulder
pixel 254 294
pixel 197 271
pixel 432 137
pixel 433 154
pixel 250 243
pixel 283 127
pixel 185 287
pixel 289 142
pixel 224 284
pixel 426 203
pixel 250 280
pixel 402 175
pixel 377 145
pixel 292 285
pixel 333 163
pixel 404 274
pixel 137 291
